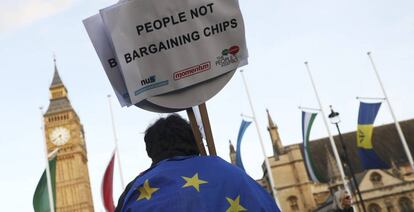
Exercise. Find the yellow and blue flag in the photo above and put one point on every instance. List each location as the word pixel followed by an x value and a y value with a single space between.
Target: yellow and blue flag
pixel 366 118
pixel 196 183
pixel 243 127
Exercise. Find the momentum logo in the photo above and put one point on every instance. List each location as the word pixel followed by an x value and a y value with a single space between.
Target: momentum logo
pixel 192 70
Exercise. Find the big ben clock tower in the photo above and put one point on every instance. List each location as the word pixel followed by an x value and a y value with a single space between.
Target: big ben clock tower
pixel 64 131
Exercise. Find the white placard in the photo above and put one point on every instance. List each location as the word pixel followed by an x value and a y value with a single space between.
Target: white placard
pixel 165 45
pixel 96 31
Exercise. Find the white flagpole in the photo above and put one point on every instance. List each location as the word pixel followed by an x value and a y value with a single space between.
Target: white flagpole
pixel 335 150
pixel 269 171
pixel 199 122
pixel 118 157
pixel 397 124
pixel 49 182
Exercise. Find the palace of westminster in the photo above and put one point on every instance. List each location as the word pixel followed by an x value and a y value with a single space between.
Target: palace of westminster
pixel 381 190
pixel 389 190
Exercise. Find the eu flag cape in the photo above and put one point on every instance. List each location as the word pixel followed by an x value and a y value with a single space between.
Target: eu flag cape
pixel 196 183
pixel 366 118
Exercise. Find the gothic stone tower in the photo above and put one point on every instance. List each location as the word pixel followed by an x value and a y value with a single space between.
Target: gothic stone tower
pixel 294 188
pixel 278 148
pixel 232 153
pixel 64 131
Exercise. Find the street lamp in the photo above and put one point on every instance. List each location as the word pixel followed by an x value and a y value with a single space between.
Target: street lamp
pixel 334 118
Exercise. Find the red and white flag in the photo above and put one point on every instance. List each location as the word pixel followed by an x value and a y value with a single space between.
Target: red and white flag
pixel 107 188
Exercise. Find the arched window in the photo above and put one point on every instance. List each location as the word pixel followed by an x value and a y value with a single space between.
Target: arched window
pixel 376 179
pixel 388 204
pixel 406 205
pixel 374 208
pixel 293 202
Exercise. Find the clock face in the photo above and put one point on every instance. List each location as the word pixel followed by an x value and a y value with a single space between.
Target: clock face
pixel 59 136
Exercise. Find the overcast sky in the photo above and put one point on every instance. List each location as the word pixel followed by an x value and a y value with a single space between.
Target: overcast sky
pixel 333 36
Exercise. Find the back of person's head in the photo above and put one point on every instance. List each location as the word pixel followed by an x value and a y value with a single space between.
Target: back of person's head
pixel 169 137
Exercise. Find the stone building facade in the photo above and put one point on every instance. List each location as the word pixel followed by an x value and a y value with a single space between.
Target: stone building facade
pixel 64 131
pixel 386 190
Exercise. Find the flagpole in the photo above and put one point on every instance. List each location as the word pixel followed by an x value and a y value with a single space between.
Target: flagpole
pixel 118 157
pixel 49 182
pixel 335 150
pixel 370 98
pixel 397 124
pixel 308 108
pixel 269 171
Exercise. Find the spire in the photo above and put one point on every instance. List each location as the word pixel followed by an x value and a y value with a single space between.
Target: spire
pixel 394 168
pixel 56 78
pixel 278 148
pixel 269 118
pixel 231 147
pixel 332 168
pixel 58 94
pixel 232 153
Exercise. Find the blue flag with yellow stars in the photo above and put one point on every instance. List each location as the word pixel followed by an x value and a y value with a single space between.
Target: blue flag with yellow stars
pixel 366 118
pixel 196 183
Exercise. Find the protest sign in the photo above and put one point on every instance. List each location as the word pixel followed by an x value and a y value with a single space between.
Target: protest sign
pixel 96 31
pixel 165 46
pixel 169 102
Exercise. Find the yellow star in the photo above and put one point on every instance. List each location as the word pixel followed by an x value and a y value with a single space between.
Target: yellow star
pixel 193 181
pixel 146 191
pixel 235 205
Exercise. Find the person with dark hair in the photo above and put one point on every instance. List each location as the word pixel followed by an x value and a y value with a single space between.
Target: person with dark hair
pixel 181 180
pixel 169 137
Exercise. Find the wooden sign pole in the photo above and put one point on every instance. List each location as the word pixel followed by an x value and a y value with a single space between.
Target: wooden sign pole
pixel 207 129
pixel 196 132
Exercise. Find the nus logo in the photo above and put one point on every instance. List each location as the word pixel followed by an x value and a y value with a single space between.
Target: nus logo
pixel 148 80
